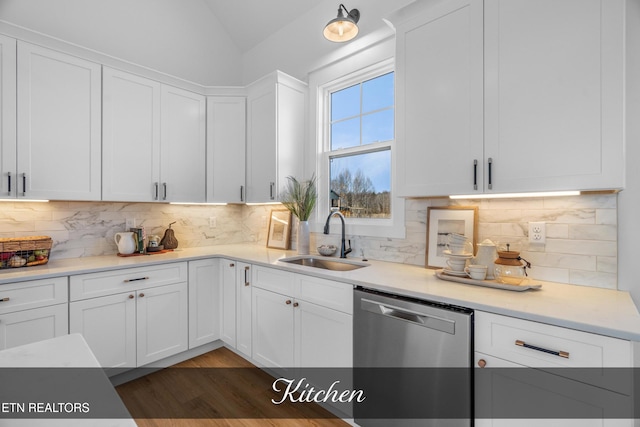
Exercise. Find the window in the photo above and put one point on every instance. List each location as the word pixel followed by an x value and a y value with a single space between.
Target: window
pixel 361 134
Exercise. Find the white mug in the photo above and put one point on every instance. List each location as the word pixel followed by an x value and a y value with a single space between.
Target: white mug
pixel 476 272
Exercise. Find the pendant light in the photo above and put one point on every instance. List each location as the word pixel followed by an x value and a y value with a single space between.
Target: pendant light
pixel 343 28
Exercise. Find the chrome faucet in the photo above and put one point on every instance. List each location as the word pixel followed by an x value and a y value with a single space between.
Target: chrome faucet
pixel 343 248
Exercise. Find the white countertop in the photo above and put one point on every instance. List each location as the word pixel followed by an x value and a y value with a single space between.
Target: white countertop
pixel 67 351
pixel 596 310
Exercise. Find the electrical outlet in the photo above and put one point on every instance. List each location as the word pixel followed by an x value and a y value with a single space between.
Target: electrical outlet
pixel 213 222
pixel 537 233
pixel 130 223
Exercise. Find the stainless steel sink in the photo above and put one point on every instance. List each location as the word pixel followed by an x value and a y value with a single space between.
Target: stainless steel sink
pixel 334 264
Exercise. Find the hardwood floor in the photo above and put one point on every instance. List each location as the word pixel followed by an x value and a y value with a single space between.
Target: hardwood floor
pixel 215 397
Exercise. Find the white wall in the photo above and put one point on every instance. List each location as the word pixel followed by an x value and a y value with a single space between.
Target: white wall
pixel 180 38
pixel 299 47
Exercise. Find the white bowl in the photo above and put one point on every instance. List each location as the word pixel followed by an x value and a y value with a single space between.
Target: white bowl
pixel 327 250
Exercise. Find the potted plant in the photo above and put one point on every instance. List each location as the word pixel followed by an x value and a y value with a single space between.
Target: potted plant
pixel 300 198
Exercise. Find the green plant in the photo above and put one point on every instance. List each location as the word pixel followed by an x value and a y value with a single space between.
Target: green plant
pixel 300 197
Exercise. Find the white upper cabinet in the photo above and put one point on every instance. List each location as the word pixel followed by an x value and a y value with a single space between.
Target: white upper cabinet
pixel 439 70
pixel 58 125
pixel 226 149
pixel 182 146
pixel 275 134
pixel 554 88
pixel 7 117
pixel 510 96
pixel 131 137
pixel 153 141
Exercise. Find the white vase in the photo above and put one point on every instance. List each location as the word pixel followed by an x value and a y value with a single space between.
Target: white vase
pixel 303 237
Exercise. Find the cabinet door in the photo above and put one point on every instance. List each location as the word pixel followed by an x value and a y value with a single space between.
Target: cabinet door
pixel 204 301
pixel 261 144
pixel 228 327
pixel 502 386
pixel 59 122
pixel 162 322
pixel 323 337
pixel 29 326
pixel 439 100
pixel 243 308
pixel 108 324
pixel 131 137
pixel 183 146
pixel 7 117
pixel 272 329
pixel 554 94
pixel 226 148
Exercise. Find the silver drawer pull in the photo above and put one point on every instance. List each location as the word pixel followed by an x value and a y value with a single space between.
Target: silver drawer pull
pixel 135 280
pixel 564 354
pixel 4 299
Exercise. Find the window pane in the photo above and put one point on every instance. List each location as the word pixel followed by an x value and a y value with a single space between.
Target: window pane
pixel 363 184
pixel 345 103
pixel 378 93
pixel 377 127
pixel 345 134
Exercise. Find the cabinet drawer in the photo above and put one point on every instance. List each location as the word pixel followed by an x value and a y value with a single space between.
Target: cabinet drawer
pixel 327 293
pixel 273 280
pixel 92 285
pixel 524 342
pixel 32 294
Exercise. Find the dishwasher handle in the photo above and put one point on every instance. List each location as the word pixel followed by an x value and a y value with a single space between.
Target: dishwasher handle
pixel 421 319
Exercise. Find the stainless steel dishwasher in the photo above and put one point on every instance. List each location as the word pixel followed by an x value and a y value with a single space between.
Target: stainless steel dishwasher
pixel 413 360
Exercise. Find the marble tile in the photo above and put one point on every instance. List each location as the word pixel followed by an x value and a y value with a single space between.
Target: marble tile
pixel 581 231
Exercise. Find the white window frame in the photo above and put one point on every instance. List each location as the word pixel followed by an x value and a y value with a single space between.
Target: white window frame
pixel 373 227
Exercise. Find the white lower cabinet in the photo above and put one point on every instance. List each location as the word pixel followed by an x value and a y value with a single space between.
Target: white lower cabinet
pixel 503 344
pixel 145 323
pixel 243 308
pixel 33 311
pixel 273 339
pixel 295 324
pixel 228 306
pixel 204 301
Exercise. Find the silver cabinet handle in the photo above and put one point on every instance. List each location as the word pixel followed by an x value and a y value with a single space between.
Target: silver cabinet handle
pixel 164 187
pixel 24 184
pixel 271 186
pixel 135 280
pixel 475 174
pixel 157 190
pixel 563 354
pixel 9 176
pixel 246 280
pixel 490 163
pixel 242 193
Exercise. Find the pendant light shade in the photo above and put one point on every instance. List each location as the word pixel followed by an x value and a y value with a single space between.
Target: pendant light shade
pixel 343 28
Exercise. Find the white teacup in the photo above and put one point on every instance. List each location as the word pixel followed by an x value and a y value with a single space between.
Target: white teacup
pixel 456 238
pixel 456 264
pixel 476 272
pixel 459 248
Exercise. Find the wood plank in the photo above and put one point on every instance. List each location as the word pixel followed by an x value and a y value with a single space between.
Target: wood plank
pixel 239 395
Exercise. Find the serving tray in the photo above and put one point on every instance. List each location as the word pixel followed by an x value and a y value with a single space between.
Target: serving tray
pixel 440 274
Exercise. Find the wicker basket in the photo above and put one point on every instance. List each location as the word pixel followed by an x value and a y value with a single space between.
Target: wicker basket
pixel 24 251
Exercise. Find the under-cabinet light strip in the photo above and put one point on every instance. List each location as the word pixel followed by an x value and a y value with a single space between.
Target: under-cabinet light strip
pixel 515 195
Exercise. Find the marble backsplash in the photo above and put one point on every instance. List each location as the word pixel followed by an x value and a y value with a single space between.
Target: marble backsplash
pixel 581 243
